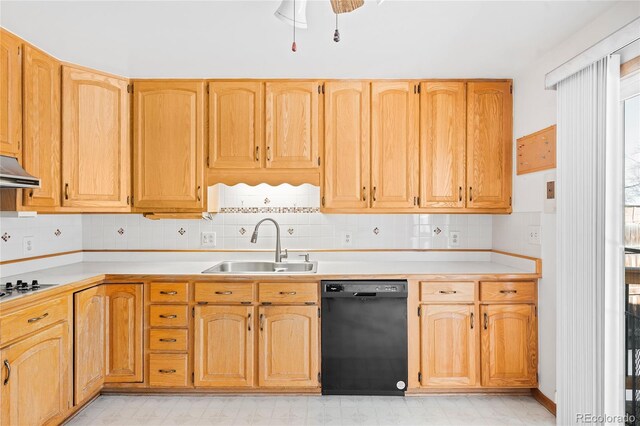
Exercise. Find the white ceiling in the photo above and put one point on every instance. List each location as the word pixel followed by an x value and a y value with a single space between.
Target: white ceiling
pixel 401 39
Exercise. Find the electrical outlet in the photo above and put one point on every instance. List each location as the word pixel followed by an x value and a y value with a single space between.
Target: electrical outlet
pixel 208 239
pixel 28 246
pixel 454 238
pixel 534 235
pixel 347 239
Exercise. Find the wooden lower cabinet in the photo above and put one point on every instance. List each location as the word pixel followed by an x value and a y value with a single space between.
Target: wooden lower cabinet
pixel 224 346
pixel 89 343
pixel 448 339
pixel 288 346
pixel 168 370
pixel 38 385
pixel 509 345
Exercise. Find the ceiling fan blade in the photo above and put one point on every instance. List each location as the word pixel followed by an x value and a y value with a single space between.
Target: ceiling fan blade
pixel 345 6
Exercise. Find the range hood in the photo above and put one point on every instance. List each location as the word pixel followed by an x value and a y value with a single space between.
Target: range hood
pixel 12 175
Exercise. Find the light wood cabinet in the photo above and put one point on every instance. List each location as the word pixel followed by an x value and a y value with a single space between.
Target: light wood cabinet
pixel 95 140
pixel 168 370
pixel 448 338
pixel 489 144
pixel 292 120
pixel 224 346
pixel 288 346
pixel 37 390
pixel 10 94
pixel 236 125
pixel 169 123
pixel 394 145
pixel 509 345
pixel 89 343
pixel 124 306
pixel 442 144
pixel 346 145
pixel 41 127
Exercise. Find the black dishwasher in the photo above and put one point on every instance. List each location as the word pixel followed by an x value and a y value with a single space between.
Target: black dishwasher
pixel 364 337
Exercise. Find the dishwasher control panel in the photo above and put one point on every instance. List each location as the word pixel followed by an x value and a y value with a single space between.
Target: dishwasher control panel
pixel 370 287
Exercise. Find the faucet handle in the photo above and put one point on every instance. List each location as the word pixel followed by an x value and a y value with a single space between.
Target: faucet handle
pixel 284 254
pixel 306 256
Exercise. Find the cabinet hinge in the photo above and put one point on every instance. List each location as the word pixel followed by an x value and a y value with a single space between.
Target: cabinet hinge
pixel 537 378
pixel 129 88
pixel 19 50
pixel 418 88
pixel 193 312
pixel 208 161
pixel 511 89
pixel 418 310
pixel 420 377
pixel 509 201
pixel 207 88
pixel 319 378
pixel 318 312
pixel 535 308
pixel 418 203
pixel 193 377
pixel 132 200
pixel 318 161
pixel 323 88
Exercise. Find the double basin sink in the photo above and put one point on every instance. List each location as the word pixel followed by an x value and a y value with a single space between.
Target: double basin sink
pixel 263 267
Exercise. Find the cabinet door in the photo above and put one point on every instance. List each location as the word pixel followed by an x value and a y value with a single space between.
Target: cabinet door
pixel 292 124
pixel 448 345
pixel 95 139
pixel 489 140
pixel 89 342
pixel 41 149
pixel 10 94
pixel 124 332
pixel 509 345
pixel 38 389
pixel 442 144
pixel 223 350
pixel 288 346
pixel 236 116
pixel 346 145
pixel 394 144
pixel 169 145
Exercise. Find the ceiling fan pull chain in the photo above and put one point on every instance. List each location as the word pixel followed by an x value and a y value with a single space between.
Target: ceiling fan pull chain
pixel 336 34
pixel 294 48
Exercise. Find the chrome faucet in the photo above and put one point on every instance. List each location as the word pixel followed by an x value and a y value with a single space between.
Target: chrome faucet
pixel 279 254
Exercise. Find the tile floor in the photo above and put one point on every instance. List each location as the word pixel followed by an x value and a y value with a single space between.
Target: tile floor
pixel 313 410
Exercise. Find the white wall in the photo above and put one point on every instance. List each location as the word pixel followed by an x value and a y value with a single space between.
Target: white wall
pixel 535 109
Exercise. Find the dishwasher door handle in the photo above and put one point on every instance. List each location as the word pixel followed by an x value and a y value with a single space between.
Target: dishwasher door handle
pixel 363 294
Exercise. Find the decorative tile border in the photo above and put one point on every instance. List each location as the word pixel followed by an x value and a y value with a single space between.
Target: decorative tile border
pixel 270 210
pixel 5 237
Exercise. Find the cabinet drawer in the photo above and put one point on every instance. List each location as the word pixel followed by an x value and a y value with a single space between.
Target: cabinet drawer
pixel 168 316
pixel 33 318
pixel 288 292
pixel 161 339
pixel 447 291
pixel 169 292
pixel 508 291
pixel 224 292
pixel 168 370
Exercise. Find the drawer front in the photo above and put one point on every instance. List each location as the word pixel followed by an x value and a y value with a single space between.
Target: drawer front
pixel 288 293
pixel 168 340
pixel 224 292
pixel 512 291
pixel 447 291
pixel 33 318
pixel 169 292
pixel 168 370
pixel 168 316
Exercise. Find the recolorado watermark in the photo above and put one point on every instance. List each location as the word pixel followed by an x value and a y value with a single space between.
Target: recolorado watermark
pixel 604 418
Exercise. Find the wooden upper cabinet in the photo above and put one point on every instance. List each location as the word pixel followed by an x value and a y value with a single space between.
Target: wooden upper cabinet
pixel 288 346
pixel 394 144
pixel 38 391
pixel 442 144
pixel 95 139
pixel 236 116
pixel 41 121
pixel 224 345
pixel 448 345
pixel 124 304
pixel 509 345
pixel 169 123
pixel 346 145
pixel 10 94
pixel 89 342
pixel 489 144
pixel 292 119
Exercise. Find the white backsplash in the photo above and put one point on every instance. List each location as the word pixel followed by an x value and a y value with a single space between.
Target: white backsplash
pixel 302 227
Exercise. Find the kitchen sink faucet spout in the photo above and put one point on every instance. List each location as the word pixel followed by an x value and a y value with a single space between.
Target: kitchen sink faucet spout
pixel 254 238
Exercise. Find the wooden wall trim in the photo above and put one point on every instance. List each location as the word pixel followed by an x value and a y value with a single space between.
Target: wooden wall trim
pixel 544 401
pixel 44 256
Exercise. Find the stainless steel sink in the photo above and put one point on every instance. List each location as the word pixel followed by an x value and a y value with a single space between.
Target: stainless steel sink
pixel 245 267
